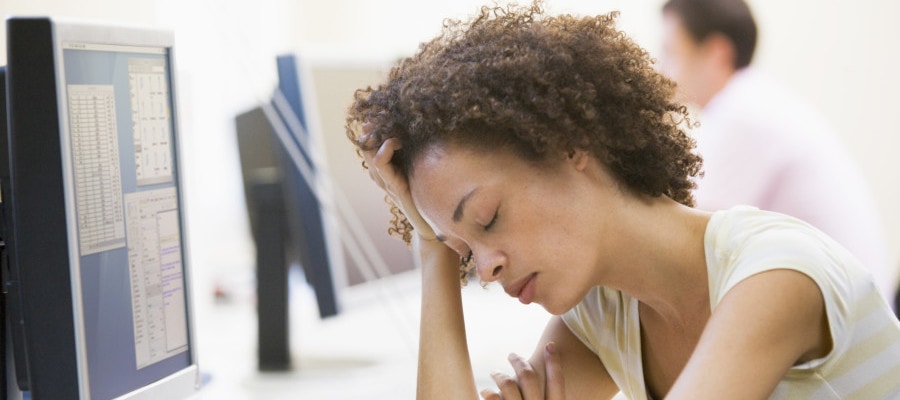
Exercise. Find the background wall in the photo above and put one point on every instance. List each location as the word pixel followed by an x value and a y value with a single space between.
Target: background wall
pixel 841 54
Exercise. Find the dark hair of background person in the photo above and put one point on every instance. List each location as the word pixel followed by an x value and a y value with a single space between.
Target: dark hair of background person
pixel 731 18
pixel 542 87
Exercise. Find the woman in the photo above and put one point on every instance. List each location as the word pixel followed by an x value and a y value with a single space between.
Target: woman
pixel 546 152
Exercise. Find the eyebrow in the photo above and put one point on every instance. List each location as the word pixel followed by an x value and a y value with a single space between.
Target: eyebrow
pixel 458 213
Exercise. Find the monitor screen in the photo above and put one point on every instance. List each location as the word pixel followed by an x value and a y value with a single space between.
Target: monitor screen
pixel 95 218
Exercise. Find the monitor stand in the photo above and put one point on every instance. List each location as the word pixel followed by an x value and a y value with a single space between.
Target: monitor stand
pixel 271 275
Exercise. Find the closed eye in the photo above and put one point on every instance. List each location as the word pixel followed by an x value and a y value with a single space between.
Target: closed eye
pixel 493 220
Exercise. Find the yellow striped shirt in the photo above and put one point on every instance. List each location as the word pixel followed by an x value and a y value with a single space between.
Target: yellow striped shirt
pixel 865 360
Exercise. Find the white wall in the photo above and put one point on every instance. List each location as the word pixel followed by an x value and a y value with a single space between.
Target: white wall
pixel 841 54
pixel 844 57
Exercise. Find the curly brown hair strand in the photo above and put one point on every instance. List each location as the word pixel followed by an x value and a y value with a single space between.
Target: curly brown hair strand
pixel 541 86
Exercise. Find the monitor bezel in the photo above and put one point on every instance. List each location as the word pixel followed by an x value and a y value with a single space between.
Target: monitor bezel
pixel 184 383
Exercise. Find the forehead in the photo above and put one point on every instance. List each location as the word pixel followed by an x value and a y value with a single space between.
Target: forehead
pixel 444 175
pixel 446 169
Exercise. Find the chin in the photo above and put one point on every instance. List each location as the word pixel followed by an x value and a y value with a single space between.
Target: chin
pixel 556 308
pixel 561 304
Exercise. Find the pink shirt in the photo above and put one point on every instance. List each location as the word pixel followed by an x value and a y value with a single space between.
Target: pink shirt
pixel 765 147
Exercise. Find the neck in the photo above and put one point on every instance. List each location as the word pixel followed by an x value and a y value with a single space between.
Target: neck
pixel 664 265
pixel 715 83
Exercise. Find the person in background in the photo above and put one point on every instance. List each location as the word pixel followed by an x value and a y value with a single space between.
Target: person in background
pixel 547 152
pixel 761 144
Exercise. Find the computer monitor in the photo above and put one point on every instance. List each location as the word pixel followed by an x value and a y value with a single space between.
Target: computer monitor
pixel 313 93
pixel 306 239
pixel 317 89
pixel 98 282
pixel 316 243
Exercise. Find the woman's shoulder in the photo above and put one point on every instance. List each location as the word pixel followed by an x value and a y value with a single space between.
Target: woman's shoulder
pixel 747 230
pixel 743 241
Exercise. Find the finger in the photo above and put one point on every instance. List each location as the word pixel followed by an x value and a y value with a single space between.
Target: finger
pixel 366 139
pixel 555 383
pixel 509 388
pixel 386 151
pixel 380 168
pixel 368 142
pixel 369 157
pixel 393 181
pixel 374 173
pixel 380 161
pixel 376 177
pixel 529 382
pixel 488 394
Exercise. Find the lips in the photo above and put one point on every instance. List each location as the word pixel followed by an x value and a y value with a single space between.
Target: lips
pixel 519 288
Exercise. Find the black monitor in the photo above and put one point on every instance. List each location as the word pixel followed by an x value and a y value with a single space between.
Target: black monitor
pixel 316 244
pixel 266 156
pixel 98 280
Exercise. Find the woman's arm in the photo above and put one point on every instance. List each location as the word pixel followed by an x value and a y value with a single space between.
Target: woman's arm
pixel 572 371
pixel 585 375
pixel 763 326
pixel 445 371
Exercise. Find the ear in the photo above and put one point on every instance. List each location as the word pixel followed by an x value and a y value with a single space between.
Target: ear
pixel 718 48
pixel 579 159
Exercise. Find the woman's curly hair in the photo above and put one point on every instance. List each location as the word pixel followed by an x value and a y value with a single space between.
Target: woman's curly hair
pixel 541 86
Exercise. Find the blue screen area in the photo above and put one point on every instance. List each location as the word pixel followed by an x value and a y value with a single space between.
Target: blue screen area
pixel 121 138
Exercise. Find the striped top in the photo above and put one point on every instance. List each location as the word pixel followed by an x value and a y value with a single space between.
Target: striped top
pixel 865 360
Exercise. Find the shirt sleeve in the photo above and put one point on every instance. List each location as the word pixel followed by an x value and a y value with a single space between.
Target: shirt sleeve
pixel 813 255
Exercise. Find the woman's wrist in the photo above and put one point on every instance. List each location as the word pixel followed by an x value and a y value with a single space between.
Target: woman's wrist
pixel 420 227
pixel 434 252
pixel 430 244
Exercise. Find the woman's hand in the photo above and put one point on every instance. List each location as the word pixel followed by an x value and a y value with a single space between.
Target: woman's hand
pixel 444 369
pixel 527 384
pixel 388 177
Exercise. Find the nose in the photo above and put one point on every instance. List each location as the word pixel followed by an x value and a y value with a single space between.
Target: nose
pixel 489 265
